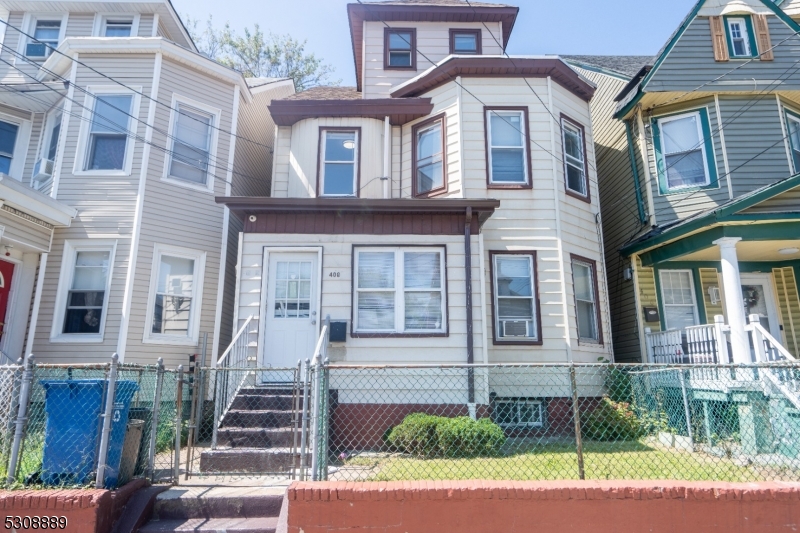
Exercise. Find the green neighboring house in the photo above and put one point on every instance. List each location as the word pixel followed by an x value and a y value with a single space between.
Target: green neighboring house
pixel 698 154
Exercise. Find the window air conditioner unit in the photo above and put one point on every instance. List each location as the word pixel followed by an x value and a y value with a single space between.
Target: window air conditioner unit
pixel 36 50
pixel 43 169
pixel 515 328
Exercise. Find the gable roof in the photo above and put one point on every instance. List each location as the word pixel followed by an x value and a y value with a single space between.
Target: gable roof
pixel 424 11
pixel 630 100
pixel 723 213
pixel 623 66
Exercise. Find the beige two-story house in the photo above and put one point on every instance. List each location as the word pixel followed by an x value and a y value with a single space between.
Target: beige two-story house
pixel 116 136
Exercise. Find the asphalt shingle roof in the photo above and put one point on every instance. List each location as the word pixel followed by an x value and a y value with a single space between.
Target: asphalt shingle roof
pixel 327 93
pixel 625 65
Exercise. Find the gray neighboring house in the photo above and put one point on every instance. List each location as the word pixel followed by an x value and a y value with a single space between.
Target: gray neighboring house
pixel 116 135
pixel 698 151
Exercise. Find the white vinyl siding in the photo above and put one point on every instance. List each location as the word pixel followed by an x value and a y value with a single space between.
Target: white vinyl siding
pixel 514 301
pixel 507 149
pixel 339 168
pixel 678 299
pixel 399 290
pixel 175 296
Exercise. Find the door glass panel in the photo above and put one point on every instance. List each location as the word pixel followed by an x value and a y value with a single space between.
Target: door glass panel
pixel 292 289
pixel 755 304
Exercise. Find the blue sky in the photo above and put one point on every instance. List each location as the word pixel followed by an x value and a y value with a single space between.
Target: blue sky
pixel 596 27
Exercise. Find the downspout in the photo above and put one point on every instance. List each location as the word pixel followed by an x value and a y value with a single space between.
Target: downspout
pixel 646 166
pixel 37 302
pixel 387 157
pixel 637 185
pixel 470 340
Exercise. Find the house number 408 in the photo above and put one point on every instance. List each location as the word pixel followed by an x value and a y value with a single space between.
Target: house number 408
pixel 335 275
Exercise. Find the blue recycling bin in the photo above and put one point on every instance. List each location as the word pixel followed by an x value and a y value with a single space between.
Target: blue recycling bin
pixel 74 426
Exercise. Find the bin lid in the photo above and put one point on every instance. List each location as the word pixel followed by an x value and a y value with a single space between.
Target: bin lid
pixel 123 385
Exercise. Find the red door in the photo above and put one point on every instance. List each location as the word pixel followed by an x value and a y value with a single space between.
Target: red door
pixel 6 272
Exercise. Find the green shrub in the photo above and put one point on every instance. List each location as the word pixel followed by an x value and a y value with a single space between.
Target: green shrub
pixel 465 437
pixel 415 435
pixel 611 421
pixel 435 436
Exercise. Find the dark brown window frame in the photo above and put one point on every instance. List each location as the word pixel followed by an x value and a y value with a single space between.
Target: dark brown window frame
pixel 322 130
pixel 441 117
pixel 593 265
pixel 478 37
pixel 367 335
pixel 497 341
pixel 487 148
pixel 389 31
pixel 588 196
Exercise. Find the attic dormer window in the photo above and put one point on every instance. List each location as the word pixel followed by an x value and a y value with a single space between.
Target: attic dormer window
pixel 741 39
pixel 465 42
pixel 401 49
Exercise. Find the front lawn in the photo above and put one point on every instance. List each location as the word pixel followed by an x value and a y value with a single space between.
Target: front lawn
pixel 621 460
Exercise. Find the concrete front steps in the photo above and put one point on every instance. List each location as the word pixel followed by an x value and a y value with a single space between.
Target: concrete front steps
pixel 215 509
pixel 256 435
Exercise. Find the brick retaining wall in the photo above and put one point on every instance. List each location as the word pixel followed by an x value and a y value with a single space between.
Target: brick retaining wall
pixel 555 507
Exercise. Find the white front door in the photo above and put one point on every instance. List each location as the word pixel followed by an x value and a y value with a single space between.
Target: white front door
pixel 291 314
pixel 759 299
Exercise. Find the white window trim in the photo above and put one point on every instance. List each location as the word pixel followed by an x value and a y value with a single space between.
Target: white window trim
pixel 516 402
pixel 71 249
pixel 29 26
pixel 789 115
pixel 45 140
pixel 100 19
pixel 523 147
pixel 664 303
pixel 20 154
pixel 745 37
pixel 82 153
pixel 212 153
pixel 568 124
pixel 399 290
pixel 323 160
pixel 199 259
pixel 700 135
pixel 496 296
pixel 593 282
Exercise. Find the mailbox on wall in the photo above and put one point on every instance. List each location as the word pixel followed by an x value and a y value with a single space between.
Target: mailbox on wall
pixel 651 314
pixel 338 331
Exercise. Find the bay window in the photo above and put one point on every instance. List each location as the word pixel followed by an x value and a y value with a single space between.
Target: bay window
pixel 399 291
pixel 678 299
pixel 46 33
pixel 508 152
pixel 339 155
pixel 515 298
pixel 428 157
pixel 174 303
pixel 684 152
pixel 193 140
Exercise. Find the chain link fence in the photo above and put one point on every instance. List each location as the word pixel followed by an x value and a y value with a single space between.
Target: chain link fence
pixel 548 422
pixel 60 429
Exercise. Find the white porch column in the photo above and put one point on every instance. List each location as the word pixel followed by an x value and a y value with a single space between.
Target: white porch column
pixel 734 304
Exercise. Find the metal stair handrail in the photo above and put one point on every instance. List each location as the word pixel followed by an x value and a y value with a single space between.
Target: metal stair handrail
pixel 234 341
pixel 230 375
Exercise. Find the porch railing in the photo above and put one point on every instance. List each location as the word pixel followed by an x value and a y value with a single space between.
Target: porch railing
pixel 768 350
pixel 236 356
pixel 705 344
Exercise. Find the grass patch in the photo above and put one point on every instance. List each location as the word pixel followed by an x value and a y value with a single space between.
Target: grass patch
pixel 622 460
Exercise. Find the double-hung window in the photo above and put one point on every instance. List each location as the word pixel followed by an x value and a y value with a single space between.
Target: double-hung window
pixel 741 40
pixel 108 132
pixel 575 166
pixel 117 27
pixel 339 162
pixel 400 291
pixel 793 125
pixel 684 152
pixel 465 42
pixel 46 35
pixel 8 141
pixel 192 144
pixel 428 157
pixel 508 152
pixel 43 168
pixel 401 49
pixel 518 413
pixel 82 298
pixel 678 299
pixel 584 278
pixel 515 303
pixel 175 292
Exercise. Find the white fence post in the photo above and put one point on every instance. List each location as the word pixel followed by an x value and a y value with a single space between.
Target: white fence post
pixel 649 342
pixel 758 339
pixel 102 456
pixel 720 331
pixel 22 417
